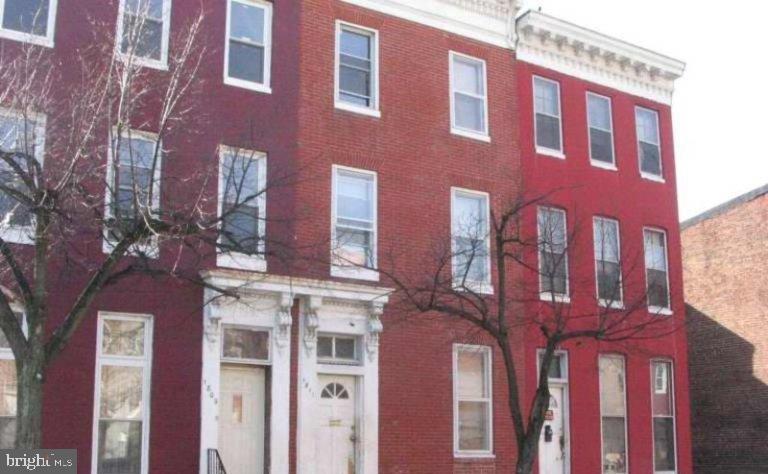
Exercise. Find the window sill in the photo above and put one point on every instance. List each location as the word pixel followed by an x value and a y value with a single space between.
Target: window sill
pixel 251 86
pixel 652 177
pixel 144 62
pixel 358 110
pixel 18 235
pixel 470 456
pixel 656 310
pixel 540 150
pixel 611 304
pixel 604 165
pixel 355 273
pixel 239 261
pixel 470 134
pixel 26 38
pixel 549 297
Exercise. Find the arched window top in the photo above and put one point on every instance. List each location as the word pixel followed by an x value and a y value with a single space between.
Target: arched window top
pixel 335 390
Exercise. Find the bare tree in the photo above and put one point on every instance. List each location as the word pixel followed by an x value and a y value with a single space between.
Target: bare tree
pixel 456 282
pixel 65 189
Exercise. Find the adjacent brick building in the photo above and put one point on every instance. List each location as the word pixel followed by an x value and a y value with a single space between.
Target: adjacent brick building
pixel 725 255
pixel 399 115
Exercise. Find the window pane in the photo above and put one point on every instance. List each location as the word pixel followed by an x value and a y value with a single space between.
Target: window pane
pixel 246 344
pixel 7 388
pixel 355 82
pixel 247 23
pixel 354 246
pixel 345 348
pixel 324 346
pixel 658 293
pixel 548 132
pixel 662 393
pixel 599 112
pixel 552 230
pixel 355 44
pixel 27 16
pixel 614 445
pixel 612 387
pixel 119 447
pixel 664 444
pixel 608 281
pixel 647 126
pixel 468 76
pixel 471 257
pixel 470 112
pixel 241 177
pixel 470 215
pixel 150 8
pixel 143 36
pixel 123 338
pixel 246 62
pixel 601 145
pixel 650 158
pixel 471 366
pixel 473 426
pixel 121 392
pixel 547 97
pixel 354 196
pixel 606 240
pixel 655 250
pixel 554 273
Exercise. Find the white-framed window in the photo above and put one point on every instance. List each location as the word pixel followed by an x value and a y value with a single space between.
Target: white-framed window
pixel 608 261
pixel 143 31
pixel 473 401
pixel 133 172
pixel 29 21
pixel 242 209
pixel 613 414
pixel 354 222
pixel 24 135
pixel 337 349
pixel 600 120
pixel 657 271
pixel 248 47
pixel 469 96
pixel 553 254
pixel 245 345
pixel 548 123
pixel 8 389
pixel 357 69
pixel 663 406
pixel 122 394
pixel 649 143
pixel 558 371
pixel 470 231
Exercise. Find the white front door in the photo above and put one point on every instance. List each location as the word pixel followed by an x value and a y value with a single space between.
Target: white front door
pixel 553 442
pixel 241 419
pixel 337 440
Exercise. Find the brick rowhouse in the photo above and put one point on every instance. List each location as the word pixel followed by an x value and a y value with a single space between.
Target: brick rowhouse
pixel 726 325
pixel 395 114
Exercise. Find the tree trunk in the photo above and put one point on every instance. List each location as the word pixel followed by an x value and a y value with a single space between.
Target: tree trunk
pixel 29 404
pixel 527 455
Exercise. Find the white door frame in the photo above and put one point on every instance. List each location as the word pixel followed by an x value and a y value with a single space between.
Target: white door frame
pixel 561 383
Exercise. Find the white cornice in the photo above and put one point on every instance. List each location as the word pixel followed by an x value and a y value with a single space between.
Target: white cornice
pixel 570 49
pixel 490 21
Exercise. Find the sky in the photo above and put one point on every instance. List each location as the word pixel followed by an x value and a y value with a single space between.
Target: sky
pixel 720 103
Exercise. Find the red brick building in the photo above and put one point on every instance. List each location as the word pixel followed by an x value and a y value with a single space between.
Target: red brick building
pixel 400 115
pixel 727 349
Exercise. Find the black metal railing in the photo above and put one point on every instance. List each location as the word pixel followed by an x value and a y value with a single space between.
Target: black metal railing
pixel 215 464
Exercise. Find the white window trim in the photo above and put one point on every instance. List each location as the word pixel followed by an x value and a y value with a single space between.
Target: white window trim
pixel 263 87
pixel 547 295
pixel 564 358
pixel 542 150
pixel 626 411
pixel 614 304
pixel 162 63
pixel 597 163
pixel 151 248
pixel 346 271
pixel 237 260
pixel 335 361
pixel 485 135
pixel 650 176
pixel 484 287
pixel 47 40
pixel 145 362
pixel 659 310
pixel 488 355
pixel 23 234
pixel 373 110
pixel 244 361
pixel 563 383
pixel 671 389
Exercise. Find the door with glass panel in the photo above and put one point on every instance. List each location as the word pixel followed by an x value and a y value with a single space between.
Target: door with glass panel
pixel 613 409
pixel 553 442
pixel 337 426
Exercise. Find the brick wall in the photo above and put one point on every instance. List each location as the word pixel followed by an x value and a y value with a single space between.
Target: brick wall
pixel 725 260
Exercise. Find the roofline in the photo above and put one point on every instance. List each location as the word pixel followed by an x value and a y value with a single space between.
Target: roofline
pixel 725 207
